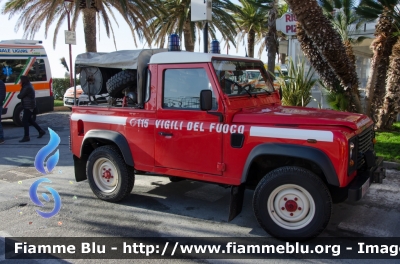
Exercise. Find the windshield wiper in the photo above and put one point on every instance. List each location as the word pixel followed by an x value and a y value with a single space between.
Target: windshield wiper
pixel 247 91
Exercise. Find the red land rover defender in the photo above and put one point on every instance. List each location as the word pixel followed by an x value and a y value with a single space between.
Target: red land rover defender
pixel 192 116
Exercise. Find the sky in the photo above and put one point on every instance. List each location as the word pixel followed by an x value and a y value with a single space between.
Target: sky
pixel 123 39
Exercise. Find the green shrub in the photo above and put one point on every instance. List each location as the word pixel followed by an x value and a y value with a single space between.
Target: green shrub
pixel 60 85
pixel 297 85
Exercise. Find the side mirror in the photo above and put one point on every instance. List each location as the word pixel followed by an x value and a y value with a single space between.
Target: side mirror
pixel 205 100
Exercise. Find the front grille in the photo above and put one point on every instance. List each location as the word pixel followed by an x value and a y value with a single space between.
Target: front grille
pixel 364 144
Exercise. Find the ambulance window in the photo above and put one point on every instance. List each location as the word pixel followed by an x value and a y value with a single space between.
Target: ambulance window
pixel 37 72
pixel 12 69
pixel 182 88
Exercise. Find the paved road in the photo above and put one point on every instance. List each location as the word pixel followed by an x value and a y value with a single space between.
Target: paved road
pixel 156 207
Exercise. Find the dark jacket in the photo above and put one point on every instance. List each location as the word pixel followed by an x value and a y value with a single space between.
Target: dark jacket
pixel 2 92
pixel 27 96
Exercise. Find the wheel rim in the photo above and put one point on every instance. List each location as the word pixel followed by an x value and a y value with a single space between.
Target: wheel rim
pixel 21 115
pixel 291 206
pixel 105 175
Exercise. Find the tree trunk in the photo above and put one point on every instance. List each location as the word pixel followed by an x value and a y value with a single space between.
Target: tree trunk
pixel 250 42
pixel 89 28
pixel 382 32
pixel 354 94
pixel 328 42
pixel 283 58
pixel 390 108
pixel 325 72
pixel 189 43
pixel 271 39
pixel 379 89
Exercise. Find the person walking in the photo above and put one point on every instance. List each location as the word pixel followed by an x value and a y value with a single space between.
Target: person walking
pixel 2 97
pixel 27 96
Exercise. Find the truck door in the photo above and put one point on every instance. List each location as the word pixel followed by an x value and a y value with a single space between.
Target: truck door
pixel 182 131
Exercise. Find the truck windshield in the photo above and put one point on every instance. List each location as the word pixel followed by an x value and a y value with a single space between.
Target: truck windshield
pixel 242 77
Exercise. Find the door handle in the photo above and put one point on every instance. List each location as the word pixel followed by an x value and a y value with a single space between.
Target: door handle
pixel 165 134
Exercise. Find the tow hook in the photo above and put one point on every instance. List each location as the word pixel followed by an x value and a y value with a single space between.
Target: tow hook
pixel 379 175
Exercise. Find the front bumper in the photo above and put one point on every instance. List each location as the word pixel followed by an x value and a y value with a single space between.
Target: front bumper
pixel 69 101
pixel 359 186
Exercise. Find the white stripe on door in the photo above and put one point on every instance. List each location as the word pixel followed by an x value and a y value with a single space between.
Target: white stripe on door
pixel 115 120
pixel 291 133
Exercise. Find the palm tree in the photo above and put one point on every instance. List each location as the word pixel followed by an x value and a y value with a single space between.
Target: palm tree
pixel 383 46
pixel 251 19
pixel 346 22
pixel 36 13
pixel 329 44
pixel 271 40
pixel 391 104
pixel 175 17
pixel 310 50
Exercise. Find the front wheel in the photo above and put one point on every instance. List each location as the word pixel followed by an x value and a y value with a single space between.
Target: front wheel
pixel 109 177
pixel 292 203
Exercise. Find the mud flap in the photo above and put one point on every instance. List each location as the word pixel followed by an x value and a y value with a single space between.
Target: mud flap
pixel 237 195
pixel 80 167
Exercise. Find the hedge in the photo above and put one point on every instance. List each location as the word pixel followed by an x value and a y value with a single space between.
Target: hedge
pixel 60 85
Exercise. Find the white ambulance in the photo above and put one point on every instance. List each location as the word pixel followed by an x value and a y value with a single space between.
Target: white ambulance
pixel 25 57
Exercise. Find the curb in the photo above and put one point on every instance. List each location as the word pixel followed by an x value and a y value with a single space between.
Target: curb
pixel 391 165
pixel 61 108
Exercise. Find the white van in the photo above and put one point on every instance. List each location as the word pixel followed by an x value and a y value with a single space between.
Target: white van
pixel 25 57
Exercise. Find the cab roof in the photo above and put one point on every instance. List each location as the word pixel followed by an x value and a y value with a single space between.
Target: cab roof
pixel 190 57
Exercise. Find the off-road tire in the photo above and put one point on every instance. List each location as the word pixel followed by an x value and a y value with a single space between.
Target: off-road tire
pixel 176 179
pixel 101 159
pixel 293 184
pixel 121 81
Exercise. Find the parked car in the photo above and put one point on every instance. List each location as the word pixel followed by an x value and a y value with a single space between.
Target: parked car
pixel 94 99
pixel 70 95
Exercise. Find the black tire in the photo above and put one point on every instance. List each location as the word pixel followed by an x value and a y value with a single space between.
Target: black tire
pixel 18 112
pixel 120 81
pixel 273 212
pixel 17 115
pixel 108 158
pixel 176 179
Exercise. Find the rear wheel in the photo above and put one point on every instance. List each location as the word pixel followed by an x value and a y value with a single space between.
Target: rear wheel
pixel 176 179
pixel 109 177
pixel 18 114
pixel 292 203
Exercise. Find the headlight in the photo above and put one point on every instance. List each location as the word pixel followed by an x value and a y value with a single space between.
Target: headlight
pixel 352 165
pixel 351 149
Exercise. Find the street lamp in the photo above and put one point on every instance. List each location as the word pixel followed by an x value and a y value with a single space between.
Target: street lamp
pixel 71 80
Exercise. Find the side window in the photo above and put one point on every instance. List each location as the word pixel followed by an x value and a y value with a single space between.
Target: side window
pixel 182 88
pixel 148 80
pixel 37 72
pixel 13 68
